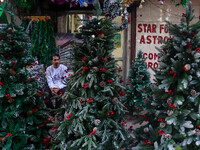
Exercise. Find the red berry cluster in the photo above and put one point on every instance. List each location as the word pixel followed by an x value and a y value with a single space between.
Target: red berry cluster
pixel 121 80
pixel 2 38
pixel 145 117
pixel 21 51
pixel 189 45
pixel 170 92
pixel 192 34
pixel 110 81
pixel 102 69
pixel 122 94
pixel 197 50
pixel 30 79
pixel 1 83
pixel 120 69
pixel 111 113
pixel 8 96
pixel 185 69
pixel 61 93
pixel 93 132
pixel 42 92
pixel 171 106
pixel 46 100
pixel 31 66
pixel 109 59
pixel 145 99
pixel 199 125
pixel 35 110
pixel 141 78
pixel 14 63
pixel 63 77
pixel 126 105
pixel 147 143
pixel 55 128
pixel 90 101
pixel 83 59
pixel 129 20
pixel 48 120
pixel 165 49
pixel 85 86
pixel 85 68
pixel 173 73
pixel 68 117
pixel 161 120
pixel 89 17
pixel 8 135
pixel 124 123
pixel 103 59
pixel 46 140
pixel 100 32
pixel 66 70
pixel 37 77
pixel 161 133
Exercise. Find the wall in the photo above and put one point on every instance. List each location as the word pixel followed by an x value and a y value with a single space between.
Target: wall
pixel 151 25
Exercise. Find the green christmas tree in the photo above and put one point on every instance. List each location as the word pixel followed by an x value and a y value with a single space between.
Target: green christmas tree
pixel 93 111
pixel 176 109
pixel 42 38
pixel 138 84
pixel 22 115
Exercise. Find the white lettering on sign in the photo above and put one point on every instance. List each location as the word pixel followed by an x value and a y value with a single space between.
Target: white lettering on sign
pixel 147 40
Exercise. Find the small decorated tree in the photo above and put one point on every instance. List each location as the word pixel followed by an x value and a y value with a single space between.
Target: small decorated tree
pixel 138 84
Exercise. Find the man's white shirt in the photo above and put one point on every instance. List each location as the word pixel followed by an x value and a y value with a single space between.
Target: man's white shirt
pixel 54 76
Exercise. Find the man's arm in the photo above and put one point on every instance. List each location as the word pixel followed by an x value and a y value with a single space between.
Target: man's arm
pixel 50 81
pixel 49 78
pixel 64 73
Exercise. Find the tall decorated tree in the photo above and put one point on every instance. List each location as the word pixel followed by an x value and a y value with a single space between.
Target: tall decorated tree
pixel 176 109
pixel 22 115
pixel 93 111
pixel 138 83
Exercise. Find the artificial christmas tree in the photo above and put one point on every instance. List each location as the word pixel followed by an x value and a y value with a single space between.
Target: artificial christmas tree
pixel 176 109
pixel 22 115
pixel 93 109
pixel 137 85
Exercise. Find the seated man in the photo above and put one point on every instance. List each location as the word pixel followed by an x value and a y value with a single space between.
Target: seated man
pixel 56 86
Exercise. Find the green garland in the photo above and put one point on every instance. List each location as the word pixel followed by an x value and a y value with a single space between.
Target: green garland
pixel 43 40
pixel 26 4
pixel 183 2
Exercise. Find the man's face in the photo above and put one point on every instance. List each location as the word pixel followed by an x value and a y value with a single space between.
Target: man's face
pixel 55 61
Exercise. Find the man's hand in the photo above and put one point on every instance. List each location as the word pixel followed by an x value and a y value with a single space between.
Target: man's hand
pixel 56 90
pixel 53 92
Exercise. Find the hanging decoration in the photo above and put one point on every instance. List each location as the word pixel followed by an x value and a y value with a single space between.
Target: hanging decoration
pixel 182 2
pixel 73 3
pixel 26 4
pixel 161 1
pixel 2 8
pixel 2 14
pixel 142 1
pixel 82 3
pixel 126 3
pixel 113 9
